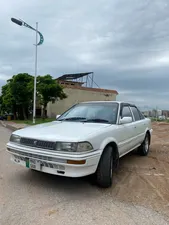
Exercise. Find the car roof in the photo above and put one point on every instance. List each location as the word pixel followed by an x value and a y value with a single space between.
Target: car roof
pixel 100 102
pixel 119 102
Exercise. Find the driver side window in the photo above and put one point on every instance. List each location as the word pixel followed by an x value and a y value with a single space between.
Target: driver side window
pixel 126 112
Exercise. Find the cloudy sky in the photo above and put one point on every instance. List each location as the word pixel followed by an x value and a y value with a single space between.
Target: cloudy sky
pixel 125 43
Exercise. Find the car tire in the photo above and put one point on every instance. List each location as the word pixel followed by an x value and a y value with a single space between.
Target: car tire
pixel 104 173
pixel 143 150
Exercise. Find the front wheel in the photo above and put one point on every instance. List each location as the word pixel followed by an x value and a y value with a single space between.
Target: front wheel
pixel 143 150
pixel 104 173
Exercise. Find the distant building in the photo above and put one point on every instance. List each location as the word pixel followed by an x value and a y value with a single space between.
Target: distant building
pixel 147 113
pixel 159 112
pixel 165 113
pixel 154 113
pixel 78 90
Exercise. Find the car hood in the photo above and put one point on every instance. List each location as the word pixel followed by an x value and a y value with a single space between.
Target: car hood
pixel 61 131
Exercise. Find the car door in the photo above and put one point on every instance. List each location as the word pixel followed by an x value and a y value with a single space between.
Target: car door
pixel 139 125
pixel 126 131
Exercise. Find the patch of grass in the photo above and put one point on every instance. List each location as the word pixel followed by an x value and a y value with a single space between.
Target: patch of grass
pixel 38 121
pixel 158 120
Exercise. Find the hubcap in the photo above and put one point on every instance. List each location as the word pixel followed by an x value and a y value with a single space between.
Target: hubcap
pixel 146 145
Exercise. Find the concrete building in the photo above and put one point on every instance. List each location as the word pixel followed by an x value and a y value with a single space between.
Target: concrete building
pixel 78 93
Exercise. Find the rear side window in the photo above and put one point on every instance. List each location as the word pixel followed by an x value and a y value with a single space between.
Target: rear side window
pixel 126 112
pixel 141 115
pixel 136 113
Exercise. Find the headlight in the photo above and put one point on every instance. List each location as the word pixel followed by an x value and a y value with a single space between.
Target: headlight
pixel 15 138
pixel 84 147
pixel 74 147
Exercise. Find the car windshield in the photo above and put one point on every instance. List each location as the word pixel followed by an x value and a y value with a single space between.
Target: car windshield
pixel 92 113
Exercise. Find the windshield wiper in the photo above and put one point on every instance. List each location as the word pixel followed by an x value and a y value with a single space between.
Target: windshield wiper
pixel 97 120
pixel 83 119
pixel 72 119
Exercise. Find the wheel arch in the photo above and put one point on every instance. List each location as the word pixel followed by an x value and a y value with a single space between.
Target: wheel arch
pixel 149 135
pixel 113 144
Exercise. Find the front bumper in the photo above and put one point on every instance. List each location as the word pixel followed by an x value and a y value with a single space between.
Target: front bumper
pixel 69 165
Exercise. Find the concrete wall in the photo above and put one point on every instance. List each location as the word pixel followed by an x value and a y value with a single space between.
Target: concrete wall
pixel 75 96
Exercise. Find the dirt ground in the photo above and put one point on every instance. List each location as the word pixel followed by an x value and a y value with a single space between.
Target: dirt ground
pixel 140 184
pixel 145 180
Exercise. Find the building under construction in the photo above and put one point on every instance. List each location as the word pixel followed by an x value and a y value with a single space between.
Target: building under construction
pixel 79 87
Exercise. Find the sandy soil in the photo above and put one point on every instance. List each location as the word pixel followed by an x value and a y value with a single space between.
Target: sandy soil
pixel 145 180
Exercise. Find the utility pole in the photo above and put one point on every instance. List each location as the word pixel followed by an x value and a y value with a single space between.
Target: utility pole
pixel 36 60
pixel 156 113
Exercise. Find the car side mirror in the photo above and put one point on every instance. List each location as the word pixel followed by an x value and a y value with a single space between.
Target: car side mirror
pixel 57 116
pixel 126 120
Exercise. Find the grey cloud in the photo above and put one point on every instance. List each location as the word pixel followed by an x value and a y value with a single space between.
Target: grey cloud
pixel 124 42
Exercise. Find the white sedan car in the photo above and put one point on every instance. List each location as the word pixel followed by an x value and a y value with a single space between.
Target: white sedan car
pixel 87 139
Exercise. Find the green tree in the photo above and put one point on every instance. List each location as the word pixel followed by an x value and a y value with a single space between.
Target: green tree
pixel 1 104
pixel 17 95
pixel 48 90
pixel 7 100
pixel 21 91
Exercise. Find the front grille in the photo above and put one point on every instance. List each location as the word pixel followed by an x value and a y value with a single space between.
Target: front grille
pixel 35 156
pixel 20 157
pixel 38 143
pixel 53 166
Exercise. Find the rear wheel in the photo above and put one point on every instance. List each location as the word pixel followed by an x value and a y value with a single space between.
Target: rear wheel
pixel 143 150
pixel 104 173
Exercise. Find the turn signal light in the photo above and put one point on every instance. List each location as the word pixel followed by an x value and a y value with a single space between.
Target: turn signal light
pixel 79 162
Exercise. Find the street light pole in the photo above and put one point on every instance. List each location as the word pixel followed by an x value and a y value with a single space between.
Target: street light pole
pixel 36 60
pixel 22 23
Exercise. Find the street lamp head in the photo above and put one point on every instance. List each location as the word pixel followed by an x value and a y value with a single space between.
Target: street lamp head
pixel 18 22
